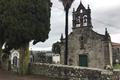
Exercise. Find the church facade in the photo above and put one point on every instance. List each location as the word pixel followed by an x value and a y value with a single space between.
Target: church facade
pixel 86 47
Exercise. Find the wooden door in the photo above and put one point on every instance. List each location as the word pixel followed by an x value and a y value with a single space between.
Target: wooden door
pixel 83 60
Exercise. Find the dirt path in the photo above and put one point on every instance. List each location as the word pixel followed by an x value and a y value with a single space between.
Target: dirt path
pixel 5 75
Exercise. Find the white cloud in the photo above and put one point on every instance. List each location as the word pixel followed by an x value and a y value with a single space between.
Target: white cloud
pixel 105 13
pixel 115 38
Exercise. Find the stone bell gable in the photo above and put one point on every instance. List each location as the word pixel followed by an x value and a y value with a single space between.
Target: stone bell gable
pixel 82 17
pixel 86 47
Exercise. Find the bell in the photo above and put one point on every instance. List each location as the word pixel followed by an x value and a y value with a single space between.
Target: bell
pixel 85 20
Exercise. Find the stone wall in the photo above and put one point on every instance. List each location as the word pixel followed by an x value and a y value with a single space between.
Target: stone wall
pixel 93 46
pixel 116 54
pixel 42 58
pixel 72 72
pixel 116 74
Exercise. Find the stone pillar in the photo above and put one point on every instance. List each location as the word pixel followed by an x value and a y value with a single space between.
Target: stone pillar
pixel 108 53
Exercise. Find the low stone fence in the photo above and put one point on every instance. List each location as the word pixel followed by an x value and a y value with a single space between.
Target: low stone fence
pixel 116 74
pixel 72 72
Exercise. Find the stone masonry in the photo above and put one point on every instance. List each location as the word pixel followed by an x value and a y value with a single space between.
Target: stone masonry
pixel 64 72
pixel 85 44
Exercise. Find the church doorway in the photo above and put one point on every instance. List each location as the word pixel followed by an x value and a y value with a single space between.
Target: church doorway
pixel 83 60
pixel 15 60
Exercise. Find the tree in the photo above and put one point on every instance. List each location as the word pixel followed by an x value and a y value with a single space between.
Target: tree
pixel 23 21
pixel 67 4
pixel 2 40
pixel 56 48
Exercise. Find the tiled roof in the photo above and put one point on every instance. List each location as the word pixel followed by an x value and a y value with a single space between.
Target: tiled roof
pixel 115 44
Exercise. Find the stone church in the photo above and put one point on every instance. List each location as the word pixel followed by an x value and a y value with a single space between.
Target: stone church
pixel 87 48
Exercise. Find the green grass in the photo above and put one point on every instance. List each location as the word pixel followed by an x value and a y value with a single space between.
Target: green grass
pixel 116 66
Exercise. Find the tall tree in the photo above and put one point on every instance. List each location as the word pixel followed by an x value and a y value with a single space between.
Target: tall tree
pixel 2 27
pixel 23 21
pixel 56 48
pixel 67 4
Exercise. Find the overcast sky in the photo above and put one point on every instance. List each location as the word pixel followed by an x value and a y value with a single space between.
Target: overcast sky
pixel 105 14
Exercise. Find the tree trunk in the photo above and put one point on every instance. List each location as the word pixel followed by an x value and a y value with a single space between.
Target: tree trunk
pixel 0 56
pixel 24 59
pixel 66 36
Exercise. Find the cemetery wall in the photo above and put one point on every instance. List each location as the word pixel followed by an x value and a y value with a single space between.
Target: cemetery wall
pixel 73 72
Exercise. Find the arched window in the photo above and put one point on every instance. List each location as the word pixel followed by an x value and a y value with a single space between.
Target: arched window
pixel 81 42
pixel 85 20
pixel 81 11
pixel 15 60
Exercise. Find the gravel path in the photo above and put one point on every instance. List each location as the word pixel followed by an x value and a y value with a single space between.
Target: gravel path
pixel 5 75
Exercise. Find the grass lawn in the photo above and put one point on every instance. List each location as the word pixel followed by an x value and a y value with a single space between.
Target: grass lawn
pixel 116 66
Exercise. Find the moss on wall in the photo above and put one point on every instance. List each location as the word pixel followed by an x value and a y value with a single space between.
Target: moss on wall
pixel 24 59
pixel 116 66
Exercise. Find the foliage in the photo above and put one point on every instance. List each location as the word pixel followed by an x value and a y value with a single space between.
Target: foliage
pixel 116 66
pixel 5 57
pixel 56 47
pixel 67 3
pixel 22 21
